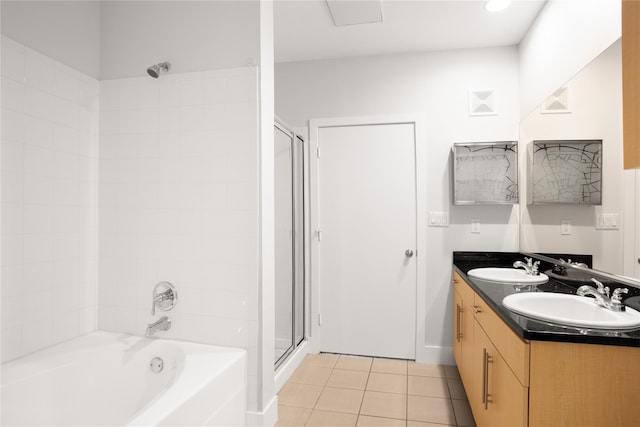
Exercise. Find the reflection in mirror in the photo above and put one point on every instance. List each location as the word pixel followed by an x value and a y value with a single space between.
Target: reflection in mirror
pixel 589 106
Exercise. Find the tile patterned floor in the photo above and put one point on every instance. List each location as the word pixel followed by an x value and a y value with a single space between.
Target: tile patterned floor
pixel 330 390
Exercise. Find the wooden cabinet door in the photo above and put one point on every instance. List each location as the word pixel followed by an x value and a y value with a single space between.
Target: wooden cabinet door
pixel 457 324
pixel 502 400
pixel 631 82
pixel 463 327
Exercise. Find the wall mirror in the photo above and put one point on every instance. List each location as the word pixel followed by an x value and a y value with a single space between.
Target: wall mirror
pixel 588 107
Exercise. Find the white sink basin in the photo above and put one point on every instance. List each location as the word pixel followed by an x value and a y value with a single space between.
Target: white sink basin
pixel 570 310
pixel 507 275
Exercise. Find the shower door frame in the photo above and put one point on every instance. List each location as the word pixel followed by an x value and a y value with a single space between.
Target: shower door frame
pixel 299 212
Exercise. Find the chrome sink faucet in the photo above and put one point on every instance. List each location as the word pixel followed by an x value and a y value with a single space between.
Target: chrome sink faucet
pixel 601 294
pixel 162 324
pixel 530 267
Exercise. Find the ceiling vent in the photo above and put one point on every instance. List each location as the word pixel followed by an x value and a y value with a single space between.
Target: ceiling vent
pixel 481 103
pixel 558 102
pixel 352 12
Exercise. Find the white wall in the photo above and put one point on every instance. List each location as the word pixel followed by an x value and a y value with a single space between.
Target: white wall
pixel 49 201
pixel 179 203
pixel 435 85
pixel 596 113
pixel 192 35
pixel 567 35
pixel 67 31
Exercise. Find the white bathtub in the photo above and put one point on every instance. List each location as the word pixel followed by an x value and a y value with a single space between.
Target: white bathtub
pixel 105 379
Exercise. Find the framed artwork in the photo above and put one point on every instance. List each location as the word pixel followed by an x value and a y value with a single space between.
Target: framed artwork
pixel 567 172
pixel 485 173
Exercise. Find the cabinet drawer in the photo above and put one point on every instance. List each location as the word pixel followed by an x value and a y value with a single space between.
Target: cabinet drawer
pixel 513 349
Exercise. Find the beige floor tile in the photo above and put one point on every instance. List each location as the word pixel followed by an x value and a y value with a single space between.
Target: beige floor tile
pixel 428 386
pixel 322 360
pixel 456 389
pixel 301 395
pixel 389 366
pixel 462 410
pixel 411 423
pixel 386 405
pixel 354 363
pixel 291 416
pixel 343 378
pixel 425 370
pixel 311 375
pixel 451 371
pixel 387 383
pixel 367 421
pixel 430 409
pixel 320 418
pixel 340 400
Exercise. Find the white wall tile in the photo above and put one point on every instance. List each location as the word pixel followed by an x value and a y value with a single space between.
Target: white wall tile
pixel 38 218
pixel 11 344
pixel 38 132
pixel 13 125
pixel 39 104
pixel 214 91
pixel 67 139
pixel 36 336
pixel 11 311
pixel 67 113
pixel 128 97
pixel 13 58
pixel 67 84
pixel 13 95
pixel 36 203
pixel 38 277
pixel 39 71
pixel 38 189
pixel 12 280
pixel 66 192
pixel 38 161
pixel 12 157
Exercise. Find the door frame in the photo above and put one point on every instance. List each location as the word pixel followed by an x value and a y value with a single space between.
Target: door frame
pixel 419 124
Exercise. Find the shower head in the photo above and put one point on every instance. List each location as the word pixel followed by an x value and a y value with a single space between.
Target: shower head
pixel 154 70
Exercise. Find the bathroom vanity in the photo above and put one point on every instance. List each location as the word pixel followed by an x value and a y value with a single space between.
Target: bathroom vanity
pixel 518 371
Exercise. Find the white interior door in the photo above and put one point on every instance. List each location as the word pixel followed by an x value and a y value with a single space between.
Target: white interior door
pixel 367 252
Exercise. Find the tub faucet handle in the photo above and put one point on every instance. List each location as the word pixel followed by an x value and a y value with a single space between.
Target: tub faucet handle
pixel 164 297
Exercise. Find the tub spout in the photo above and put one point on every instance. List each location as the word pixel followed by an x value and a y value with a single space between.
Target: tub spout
pixel 162 324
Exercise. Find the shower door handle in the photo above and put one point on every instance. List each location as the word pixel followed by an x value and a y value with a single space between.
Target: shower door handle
pixel 408 253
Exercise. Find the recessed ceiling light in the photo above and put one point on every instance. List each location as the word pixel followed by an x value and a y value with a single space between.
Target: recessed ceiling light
pixel 497 5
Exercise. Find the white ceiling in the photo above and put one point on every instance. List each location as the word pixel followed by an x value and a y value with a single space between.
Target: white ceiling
pixel 304 29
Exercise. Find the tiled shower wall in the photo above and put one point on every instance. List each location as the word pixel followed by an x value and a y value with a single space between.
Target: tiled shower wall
pixel 49 201
pixel 179 203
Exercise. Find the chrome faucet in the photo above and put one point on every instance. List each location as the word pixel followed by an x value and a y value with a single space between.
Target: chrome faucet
pixel 530 267
pixel 601 294
pixel 162 324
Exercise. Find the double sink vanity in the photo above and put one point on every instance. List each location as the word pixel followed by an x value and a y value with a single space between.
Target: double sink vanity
pixel 532 352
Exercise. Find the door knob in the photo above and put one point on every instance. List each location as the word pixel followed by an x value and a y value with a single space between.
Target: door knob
pixel 408 253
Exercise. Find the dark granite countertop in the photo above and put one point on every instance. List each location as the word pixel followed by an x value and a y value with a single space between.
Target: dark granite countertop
pixel 530 329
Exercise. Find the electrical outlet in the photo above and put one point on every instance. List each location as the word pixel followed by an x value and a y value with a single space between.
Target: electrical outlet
pixel 475 226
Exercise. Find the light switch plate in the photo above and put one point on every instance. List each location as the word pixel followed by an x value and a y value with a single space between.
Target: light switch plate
pixel 565 227
pixel 607 221
pixel 475 226
pixel 438 219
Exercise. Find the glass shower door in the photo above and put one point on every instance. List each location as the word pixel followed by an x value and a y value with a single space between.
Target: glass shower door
pixel 289 242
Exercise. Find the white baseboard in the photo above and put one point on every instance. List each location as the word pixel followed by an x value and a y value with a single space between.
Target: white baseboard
pixel 435 355
pixel 285 370
pixel 266 418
